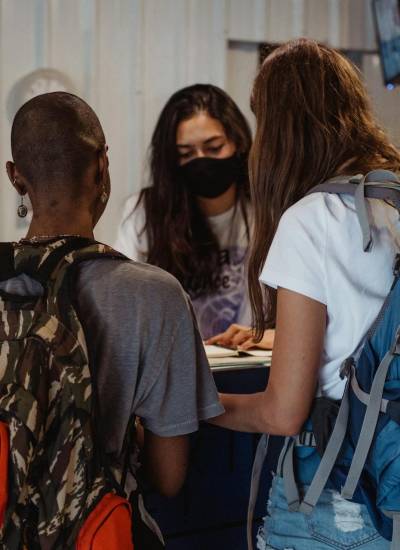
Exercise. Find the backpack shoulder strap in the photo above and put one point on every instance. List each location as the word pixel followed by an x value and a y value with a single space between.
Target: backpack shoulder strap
pixel 54 265
pixel 71 255
pixel 46 262
pixel 377 184
pixel 50 262
pixel 61 275
pixel 39 260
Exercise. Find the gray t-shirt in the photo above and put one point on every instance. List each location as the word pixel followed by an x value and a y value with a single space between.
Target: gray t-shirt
pixel 146 353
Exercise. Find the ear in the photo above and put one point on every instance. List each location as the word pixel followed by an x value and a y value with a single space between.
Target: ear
pixel 15 178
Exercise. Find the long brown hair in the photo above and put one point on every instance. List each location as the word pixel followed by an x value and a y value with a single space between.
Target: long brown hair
pixel 180 239
pixel 314 121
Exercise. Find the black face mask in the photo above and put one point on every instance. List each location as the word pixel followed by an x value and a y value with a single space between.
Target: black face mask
pixel 210 177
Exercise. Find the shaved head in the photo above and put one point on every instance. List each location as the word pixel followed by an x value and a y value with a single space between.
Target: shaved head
pixel 54 139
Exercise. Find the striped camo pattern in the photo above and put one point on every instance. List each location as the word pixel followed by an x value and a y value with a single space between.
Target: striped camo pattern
pixel 46 400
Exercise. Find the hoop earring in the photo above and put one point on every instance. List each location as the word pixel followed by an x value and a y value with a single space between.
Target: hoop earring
pixel 22 209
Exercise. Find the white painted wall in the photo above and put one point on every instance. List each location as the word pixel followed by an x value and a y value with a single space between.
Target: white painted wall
pixel 126 57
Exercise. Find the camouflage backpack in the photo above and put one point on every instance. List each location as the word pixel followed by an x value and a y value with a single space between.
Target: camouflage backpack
pixel 56 490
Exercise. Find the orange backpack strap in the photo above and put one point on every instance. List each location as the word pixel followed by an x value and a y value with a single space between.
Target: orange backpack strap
pixel 108 526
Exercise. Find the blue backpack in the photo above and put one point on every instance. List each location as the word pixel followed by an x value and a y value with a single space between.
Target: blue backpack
pixel 361 457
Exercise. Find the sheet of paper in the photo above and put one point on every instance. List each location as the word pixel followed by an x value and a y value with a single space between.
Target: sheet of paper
pixel 219 351
pixel 259 352
pixel 247 361
pixel 217 354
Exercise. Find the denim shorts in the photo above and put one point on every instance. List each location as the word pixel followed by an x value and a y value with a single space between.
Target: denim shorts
pixel 335 523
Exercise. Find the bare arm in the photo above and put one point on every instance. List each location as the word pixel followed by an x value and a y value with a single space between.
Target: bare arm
pixel 285 405
pixel 166 460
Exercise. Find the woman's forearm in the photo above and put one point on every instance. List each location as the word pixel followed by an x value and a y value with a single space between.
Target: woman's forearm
pixel 285 405
pixel 241 412
pixel 257 413
pixel 253 413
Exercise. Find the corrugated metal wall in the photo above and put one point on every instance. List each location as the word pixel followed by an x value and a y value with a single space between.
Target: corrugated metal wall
pixel 127 56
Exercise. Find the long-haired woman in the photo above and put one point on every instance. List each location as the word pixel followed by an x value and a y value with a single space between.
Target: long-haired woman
pixel 193 219
pixel 314 122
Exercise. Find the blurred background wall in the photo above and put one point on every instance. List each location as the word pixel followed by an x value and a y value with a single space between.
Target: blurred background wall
pixel 126 57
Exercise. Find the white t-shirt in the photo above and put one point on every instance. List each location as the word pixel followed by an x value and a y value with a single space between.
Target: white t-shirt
pixel 229 303
pixel 317 251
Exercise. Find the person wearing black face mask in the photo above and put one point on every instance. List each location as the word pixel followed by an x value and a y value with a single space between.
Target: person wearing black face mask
pixel 210 177
pixel 193 220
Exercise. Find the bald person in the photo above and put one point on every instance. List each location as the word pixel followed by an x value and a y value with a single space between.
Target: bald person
pixel 146 355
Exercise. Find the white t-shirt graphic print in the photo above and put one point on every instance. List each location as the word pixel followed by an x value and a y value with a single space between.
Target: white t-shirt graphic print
pixel 229 303
pixel 317 251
